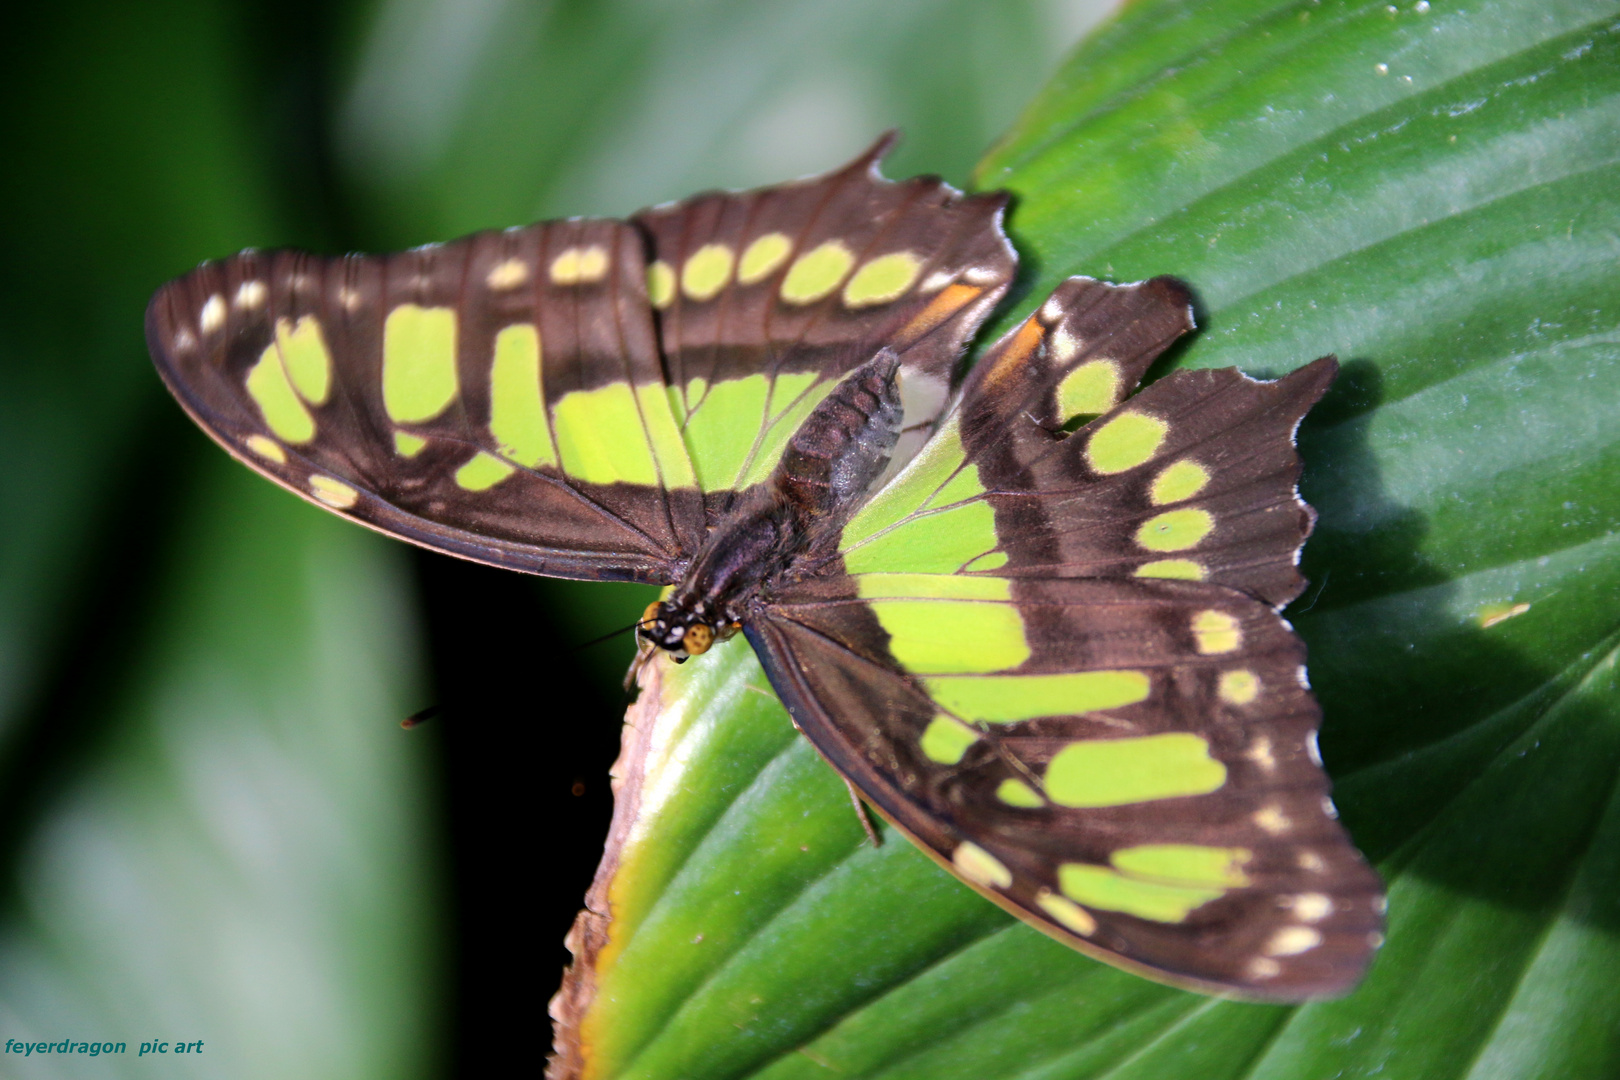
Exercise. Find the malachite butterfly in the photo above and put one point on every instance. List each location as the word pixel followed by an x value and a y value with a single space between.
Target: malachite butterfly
pixel 1030 612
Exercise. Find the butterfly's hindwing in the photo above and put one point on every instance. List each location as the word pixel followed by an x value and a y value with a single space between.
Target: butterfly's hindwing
pixel 1129 763
pixel 580 398
pixel 1125 759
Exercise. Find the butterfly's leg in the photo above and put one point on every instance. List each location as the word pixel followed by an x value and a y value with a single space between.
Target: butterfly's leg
pixel 860 812
pixel 644 653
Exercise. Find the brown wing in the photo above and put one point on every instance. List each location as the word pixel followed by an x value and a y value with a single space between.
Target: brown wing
pixel 463 396
pixel 772 295
pixel 1143 784
pixel 1004 661
pixel 547 399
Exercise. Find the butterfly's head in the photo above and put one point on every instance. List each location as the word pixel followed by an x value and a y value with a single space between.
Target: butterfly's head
pixel 680 632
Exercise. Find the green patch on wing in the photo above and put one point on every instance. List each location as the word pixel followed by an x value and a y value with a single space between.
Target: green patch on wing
pixel 941 624
pixel 926 520
pixel 737 429
pixel 614 434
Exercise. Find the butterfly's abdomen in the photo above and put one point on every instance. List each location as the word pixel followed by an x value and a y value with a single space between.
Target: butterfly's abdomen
pixel 844 444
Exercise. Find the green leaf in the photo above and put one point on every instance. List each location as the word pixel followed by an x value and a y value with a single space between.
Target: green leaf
pixel 1430 192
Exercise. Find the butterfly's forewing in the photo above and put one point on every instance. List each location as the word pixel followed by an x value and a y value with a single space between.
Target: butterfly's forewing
pixel 500 397
pixel 766 298
pixel 579 398
pixel 1123 758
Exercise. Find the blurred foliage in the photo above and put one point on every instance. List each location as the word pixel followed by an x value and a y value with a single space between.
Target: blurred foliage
pixel 213 828
pixel 1429 191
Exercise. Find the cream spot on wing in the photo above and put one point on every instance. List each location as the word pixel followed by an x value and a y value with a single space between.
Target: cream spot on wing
pixel 1216 632
pixel 1261 754
pixel 1328 808
pixel 334 493
pixel 1066 912
pixel 1262 967
pixel 1380 904
pixel 1311 861
pixel 184 341
pixel 981 275
pixel 1239 687
pixel 936 281
pixel 1293 940
pixel 1310 907
pixel 593 263
pixel 508 275
pixel 1375 939
pixel 1272 820
pixel 1065 346
pixel 250 294
pixel 1313 749
pixel 349 299
pixel 268 449
pixel 980 867
pixel 1052 311
pixel 212 316
pixel 579 266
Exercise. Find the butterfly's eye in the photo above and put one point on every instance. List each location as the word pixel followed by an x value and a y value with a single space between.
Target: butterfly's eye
pixel 697 639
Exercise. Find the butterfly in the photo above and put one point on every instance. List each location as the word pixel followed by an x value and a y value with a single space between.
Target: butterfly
pixel 1027 609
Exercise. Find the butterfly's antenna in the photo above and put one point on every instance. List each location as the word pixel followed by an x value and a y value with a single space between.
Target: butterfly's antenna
pixel 421 716
pixel 643 621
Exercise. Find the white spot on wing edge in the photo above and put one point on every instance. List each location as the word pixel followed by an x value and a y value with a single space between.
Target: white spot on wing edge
pixel 250 294
pixel 1309 907
pixel 507 275
pixel 1261 754
pixel 212 315
pixel 1293 940
pixel 1065 346
pixel 1262 967
pixel 1271 818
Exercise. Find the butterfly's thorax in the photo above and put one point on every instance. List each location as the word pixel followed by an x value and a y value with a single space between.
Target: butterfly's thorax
pixel 777 529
